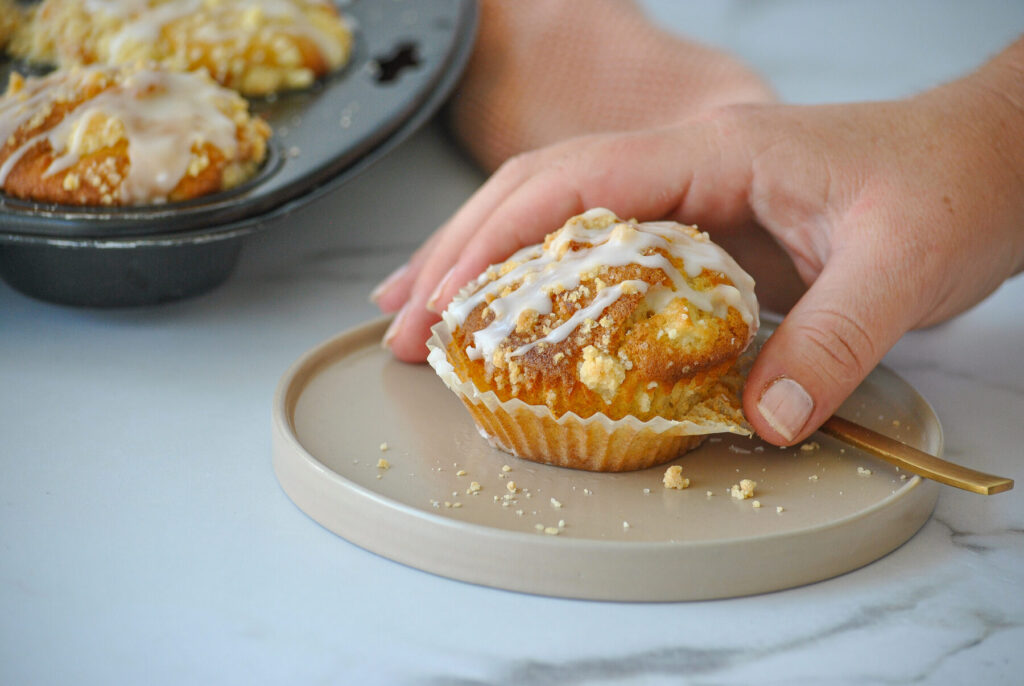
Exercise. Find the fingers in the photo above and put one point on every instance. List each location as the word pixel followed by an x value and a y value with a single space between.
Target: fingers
pixel 827 345
pixel 633 175
pixel 647 175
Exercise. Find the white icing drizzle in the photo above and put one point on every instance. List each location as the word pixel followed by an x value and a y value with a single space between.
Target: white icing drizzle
pixel 543 268
pixel 164 114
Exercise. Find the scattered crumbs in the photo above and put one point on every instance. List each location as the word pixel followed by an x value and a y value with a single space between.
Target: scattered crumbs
pixel 474 488
pixel 380 476
pixel 647 491
pixel 809 446
pixel 538 527
pixel 758 448
pixel 812 477
pixel 461 472
pixel 903 477
pixel 895 422
pixel 435 504
pixel 842 451
pixel 506 468
pixel 496 498
pixel 587 491
pixel 384 446
pixel 625 524
pixel 511 487
pixel 561 523
pixel 863 471
pixel 743 490
pixel 456 505
pixel 551 530
pixel 780 509
pixel 519 513
pixel 447 504
pixel 756 503
pixel 294 151
pixel 383 464
pixel 739 450
pixel 674 478
pixel 555 503
pixel 709 494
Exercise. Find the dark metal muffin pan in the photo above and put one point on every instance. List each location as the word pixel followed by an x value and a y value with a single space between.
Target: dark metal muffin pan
pixel 407 58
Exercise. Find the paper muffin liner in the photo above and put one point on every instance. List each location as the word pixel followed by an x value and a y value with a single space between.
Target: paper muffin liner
pixel 595 443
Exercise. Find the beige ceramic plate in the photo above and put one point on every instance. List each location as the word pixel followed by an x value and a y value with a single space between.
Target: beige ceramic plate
pixel 619 536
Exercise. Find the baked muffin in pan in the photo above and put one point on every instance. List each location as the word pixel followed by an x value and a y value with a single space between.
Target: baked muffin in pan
pixel 141 135
pixel 256 47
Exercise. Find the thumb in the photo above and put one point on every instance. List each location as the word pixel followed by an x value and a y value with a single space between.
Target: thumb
pixel 827 344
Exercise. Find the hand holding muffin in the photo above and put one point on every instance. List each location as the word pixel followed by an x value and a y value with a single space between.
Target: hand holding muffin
pixel 897 215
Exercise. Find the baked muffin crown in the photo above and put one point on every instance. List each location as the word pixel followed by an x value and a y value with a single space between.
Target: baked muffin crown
pixel 606 316
pixel 119 136
pixel 257 47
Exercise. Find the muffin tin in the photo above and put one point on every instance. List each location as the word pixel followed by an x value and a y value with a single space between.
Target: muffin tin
pixel 407 57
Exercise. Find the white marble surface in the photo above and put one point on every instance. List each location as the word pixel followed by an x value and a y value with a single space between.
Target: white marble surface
pixel 144 538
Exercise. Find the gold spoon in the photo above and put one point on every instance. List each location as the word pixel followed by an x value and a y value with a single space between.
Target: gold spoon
pixel 914 460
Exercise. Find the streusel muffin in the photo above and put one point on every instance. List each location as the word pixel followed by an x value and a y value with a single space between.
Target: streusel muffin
pixel 256 47
pixel 137 136
pixel 10 18
pixel 611 346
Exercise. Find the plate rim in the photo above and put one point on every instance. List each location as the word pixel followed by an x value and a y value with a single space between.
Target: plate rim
pixel 916 494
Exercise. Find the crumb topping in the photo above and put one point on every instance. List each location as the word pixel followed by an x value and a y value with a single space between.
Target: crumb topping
pixel 674 478
pixel 743 490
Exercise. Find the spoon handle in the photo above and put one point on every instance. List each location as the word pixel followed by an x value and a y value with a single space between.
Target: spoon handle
pixel 914 460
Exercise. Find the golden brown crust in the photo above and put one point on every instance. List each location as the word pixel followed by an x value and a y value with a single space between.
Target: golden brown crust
pixel 242 45
pixel 98 176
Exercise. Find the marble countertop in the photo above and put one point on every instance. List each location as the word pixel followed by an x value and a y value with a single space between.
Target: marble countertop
pixel 145 540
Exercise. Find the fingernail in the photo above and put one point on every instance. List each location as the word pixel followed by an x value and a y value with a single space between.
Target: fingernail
pixel 786 406
pixel 396 324
pixel 432 300
pixel 387 282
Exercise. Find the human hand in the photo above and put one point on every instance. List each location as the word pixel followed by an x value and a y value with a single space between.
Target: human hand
pixel 543 71
pixel 897 214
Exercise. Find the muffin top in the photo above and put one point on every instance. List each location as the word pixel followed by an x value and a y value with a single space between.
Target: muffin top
pixel 10 17
pixel 254 46
pixel 606 315
pixel 110 136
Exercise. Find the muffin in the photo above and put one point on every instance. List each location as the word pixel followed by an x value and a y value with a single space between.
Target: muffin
pixel 256 47
pixel 136 136
pixel 614 345
pixel 10 18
